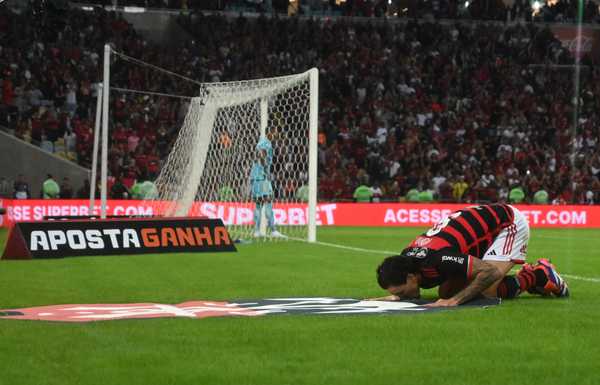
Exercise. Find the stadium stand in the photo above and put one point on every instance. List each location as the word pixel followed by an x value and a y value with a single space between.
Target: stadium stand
pixel 548 11
pixel 464 111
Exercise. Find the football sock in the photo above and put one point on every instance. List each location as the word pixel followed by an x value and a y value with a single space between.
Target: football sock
pixel 269 215
pixel 508 287
pixel 530 279
pixel 527 279
pixel 540 278
pixel 257 216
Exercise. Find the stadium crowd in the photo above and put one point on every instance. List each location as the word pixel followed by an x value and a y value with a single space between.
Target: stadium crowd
pixel 412 110
pixel 564 11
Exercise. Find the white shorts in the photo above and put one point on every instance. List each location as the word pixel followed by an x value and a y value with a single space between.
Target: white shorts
pixel 511 244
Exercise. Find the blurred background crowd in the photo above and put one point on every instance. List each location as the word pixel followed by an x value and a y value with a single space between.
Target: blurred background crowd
pixel 502 10
pixel 410 109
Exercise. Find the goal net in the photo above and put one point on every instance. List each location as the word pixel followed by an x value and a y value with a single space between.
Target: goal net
pixel 230 129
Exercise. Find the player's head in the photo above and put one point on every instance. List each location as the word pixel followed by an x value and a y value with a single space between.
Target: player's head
pixel 263 144
pixel 397 275
pixel 262 147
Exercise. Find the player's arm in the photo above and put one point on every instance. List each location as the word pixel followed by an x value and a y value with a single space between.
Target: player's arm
pixel 483 275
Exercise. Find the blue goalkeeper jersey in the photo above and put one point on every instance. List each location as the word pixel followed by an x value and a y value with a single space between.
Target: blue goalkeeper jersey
pixel 261 169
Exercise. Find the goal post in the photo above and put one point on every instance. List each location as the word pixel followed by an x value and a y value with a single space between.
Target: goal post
pixel 313 133
pixel 231 131
pixel 208 171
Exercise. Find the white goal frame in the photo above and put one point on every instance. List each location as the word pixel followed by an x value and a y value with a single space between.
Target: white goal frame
pixel 102 127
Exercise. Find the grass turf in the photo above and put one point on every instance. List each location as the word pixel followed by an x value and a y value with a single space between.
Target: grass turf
pixel 530 340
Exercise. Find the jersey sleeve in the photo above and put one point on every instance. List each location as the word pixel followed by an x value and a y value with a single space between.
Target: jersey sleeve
pixel 454 264
pixel 265 145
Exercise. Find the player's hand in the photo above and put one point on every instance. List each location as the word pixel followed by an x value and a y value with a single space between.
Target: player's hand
pixel 443 303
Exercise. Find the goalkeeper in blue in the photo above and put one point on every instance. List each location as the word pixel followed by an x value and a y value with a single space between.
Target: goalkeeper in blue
pixel 262 189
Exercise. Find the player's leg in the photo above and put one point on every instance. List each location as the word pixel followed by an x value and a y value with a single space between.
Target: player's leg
pixel 510 248
pixel 548 281
pixel 497 288
pixel 450 287
pixel 258 206
pixel 269 216
pixel 267 190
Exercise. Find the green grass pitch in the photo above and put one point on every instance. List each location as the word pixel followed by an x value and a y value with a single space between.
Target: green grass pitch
pixel 530 340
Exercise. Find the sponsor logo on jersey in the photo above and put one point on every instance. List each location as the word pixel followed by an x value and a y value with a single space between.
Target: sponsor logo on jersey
pixel 422 241
pixel 417 252
pixel 452 258
pixel 523 249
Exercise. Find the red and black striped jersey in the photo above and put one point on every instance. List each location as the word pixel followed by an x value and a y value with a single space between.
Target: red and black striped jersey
pixel 437 266
pixel 468 231
pixel 447 248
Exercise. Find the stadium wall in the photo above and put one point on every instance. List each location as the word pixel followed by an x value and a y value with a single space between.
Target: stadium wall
pixel 19 157
pixel 328 214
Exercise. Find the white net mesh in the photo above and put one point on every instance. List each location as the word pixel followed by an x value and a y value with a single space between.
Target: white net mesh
pixel 208 170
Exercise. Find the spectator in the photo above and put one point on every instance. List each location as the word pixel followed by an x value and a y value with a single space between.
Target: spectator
pixel 21 188
pixel 226 194
pixel 405 102
pixel 144 189
pixel 540 197
pixel 66 190
pixel 426 195
pixel 302 193
pixel 70 141
pixel 119 190
pixel 516 195
pixel 71 99
pixel 377 192
pixel 459 188
pixel 363 194
pixel 50 189
pixel 84 191
pixel 412 195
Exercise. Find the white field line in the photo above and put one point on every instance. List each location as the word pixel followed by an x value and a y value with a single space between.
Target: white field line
pixel 335 245
pixel 387 252
pixel 578 278
pixel 569 276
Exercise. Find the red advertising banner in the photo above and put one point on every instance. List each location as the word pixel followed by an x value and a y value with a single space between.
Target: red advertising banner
pixel 328 214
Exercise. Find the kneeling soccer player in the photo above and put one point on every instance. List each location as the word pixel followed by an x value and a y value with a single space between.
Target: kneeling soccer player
pixel 467 254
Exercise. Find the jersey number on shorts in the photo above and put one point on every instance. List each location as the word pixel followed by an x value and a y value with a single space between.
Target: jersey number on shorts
pixel 441 224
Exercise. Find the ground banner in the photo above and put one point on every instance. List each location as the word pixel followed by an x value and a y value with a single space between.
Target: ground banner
pixel 65 238
pixel 245 308
pixel 328 214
